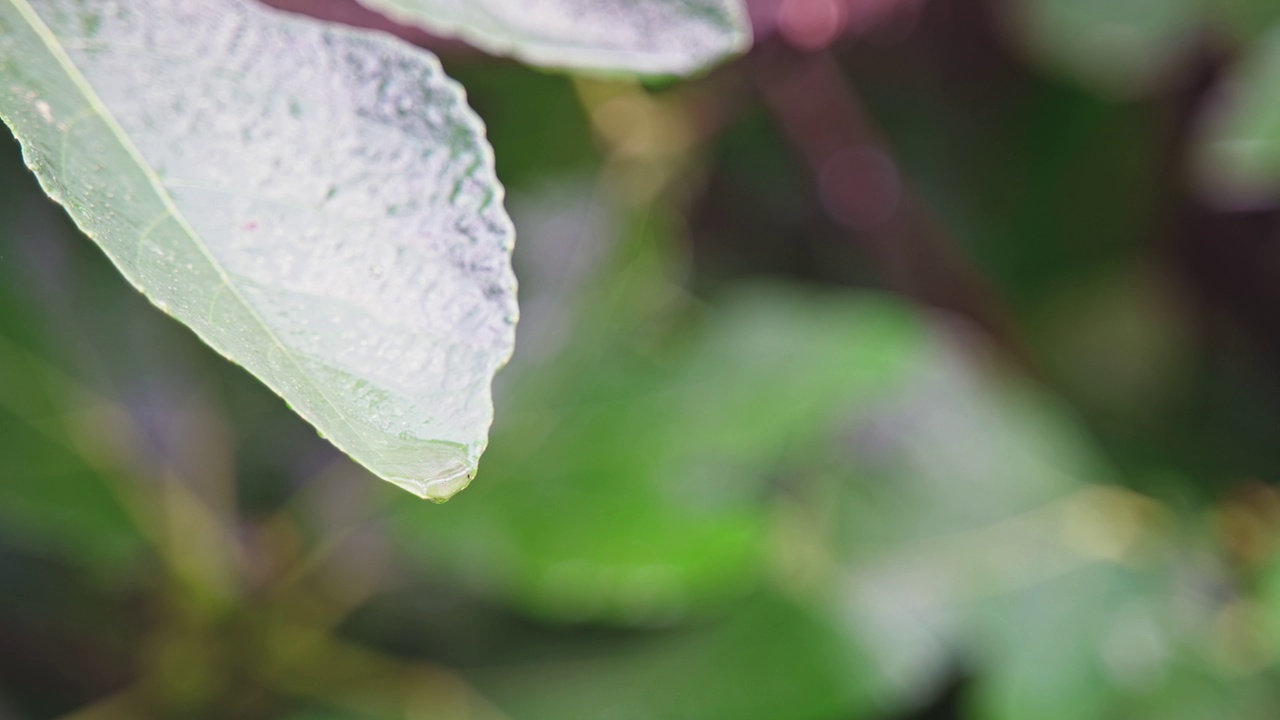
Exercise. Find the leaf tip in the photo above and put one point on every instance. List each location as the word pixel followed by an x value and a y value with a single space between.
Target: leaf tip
pixel 437 489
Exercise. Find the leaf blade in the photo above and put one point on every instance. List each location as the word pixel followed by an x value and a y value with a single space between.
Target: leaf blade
pixel 240 200
pixel 1236 158
pixel 646 37
pixel 1116 47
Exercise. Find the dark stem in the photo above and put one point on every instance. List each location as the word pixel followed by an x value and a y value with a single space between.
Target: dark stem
pixel 862 187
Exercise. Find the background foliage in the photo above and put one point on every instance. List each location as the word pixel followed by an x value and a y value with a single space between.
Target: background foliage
pixel 923 363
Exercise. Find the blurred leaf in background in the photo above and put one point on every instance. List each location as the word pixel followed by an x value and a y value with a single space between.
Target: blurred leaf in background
pixel 1239 160
pixel 1120 46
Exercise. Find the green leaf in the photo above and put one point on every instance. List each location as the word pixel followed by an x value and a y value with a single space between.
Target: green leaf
pixel 1067 648
pixel 316 203
pixel 767 658
pixel 52 494
pixel 1244 21
pixel 965 490
pixel 649 37
pixel 1118 46
pixel 1238 158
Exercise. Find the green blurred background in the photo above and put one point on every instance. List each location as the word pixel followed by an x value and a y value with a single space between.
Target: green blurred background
pixel 923 363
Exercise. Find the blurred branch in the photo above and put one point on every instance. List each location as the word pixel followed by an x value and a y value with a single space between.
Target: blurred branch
pixel 861 186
